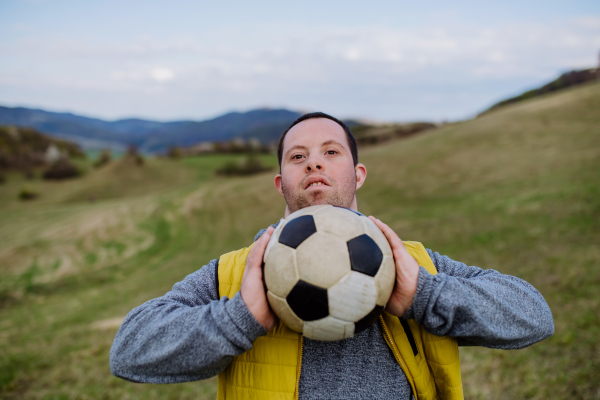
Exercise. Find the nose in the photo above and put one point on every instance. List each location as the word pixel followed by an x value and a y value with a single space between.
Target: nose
pixel 314 164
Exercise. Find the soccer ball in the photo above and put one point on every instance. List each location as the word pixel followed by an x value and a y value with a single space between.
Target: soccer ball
pixel 329 272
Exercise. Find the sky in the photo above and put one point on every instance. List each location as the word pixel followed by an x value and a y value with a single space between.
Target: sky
pixel 381 61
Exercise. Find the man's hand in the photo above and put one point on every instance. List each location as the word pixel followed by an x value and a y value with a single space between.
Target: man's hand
pixel 407 272
pixel 253 290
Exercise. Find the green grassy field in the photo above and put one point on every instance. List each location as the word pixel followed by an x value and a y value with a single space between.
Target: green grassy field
pixel 517 190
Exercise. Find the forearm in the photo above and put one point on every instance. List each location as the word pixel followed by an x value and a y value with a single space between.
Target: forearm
pixel 480 307
pixel 183 336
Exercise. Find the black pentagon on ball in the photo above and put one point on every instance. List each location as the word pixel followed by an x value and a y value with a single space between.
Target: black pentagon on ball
pixel 349 209
pixel 365 255
pixel 308 302
pixel 297 231
pixel 368 320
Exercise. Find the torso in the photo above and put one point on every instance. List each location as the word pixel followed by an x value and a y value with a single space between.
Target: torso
pixel 362 367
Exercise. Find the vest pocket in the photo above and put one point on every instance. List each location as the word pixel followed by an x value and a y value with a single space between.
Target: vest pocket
pixel 409 335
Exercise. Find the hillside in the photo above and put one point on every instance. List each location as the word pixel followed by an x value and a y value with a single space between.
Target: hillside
pixel 566 80
pixel 25 148
pixel 515 190
pixel 151 136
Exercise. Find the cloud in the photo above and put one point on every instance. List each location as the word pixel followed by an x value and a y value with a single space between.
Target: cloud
pixel 161 74
pixel 385 71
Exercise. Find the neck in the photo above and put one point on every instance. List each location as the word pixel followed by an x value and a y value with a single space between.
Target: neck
pixel 353 206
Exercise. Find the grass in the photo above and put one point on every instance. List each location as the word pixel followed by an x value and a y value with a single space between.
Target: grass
pixel 516 190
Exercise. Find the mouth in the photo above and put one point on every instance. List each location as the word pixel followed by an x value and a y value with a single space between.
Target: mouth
pixel 316 184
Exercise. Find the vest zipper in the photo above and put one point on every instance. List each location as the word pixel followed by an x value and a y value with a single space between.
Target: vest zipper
pixel 397 355
pixel 299 367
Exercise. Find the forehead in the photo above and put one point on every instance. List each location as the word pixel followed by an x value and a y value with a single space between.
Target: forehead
pixel 313 132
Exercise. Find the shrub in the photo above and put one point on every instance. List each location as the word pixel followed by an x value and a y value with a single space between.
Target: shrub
pixel 61 169
pixel 175 152
pixel 28 194
pixel 29 174
pixel 248 166
pixel 133 153
pixel 103 159
pixel 139 160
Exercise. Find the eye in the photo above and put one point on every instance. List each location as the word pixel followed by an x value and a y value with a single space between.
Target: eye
pixel 331 151
pixel 297 156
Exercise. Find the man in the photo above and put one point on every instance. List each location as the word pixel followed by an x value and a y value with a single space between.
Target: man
pixel 205 326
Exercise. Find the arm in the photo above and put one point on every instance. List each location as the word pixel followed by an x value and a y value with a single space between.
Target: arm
pixel 187 334
pixel 479 307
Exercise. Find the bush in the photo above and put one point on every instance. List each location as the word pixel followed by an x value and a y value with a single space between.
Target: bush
pixel 61 169
pixel 175 152
pixel 248 166
pixel 103 159
pixel 29 174
pixel 133 153
pixel 28 194
pixel 139 160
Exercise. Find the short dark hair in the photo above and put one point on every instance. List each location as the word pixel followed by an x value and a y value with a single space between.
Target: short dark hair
pixel 349 135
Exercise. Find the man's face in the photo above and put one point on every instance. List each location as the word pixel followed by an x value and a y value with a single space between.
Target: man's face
pixel 317 167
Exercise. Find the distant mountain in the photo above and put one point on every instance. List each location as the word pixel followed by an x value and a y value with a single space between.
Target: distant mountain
pixel 566 80
pixel 151 136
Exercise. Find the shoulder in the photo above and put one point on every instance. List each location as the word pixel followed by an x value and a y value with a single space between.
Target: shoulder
pixel 197 288
pixel 459 269
pixel 447 265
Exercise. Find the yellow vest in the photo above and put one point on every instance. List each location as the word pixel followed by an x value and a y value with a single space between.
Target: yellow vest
pixel 271 369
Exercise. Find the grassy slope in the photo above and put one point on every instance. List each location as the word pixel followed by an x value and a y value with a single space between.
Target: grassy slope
pixel 515 190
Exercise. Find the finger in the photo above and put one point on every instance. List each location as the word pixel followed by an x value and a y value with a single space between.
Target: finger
pixel 259 248
pixel 398 248
pixel 264 239
pixel 392 237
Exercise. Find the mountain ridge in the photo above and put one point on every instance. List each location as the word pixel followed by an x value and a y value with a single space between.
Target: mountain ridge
pixel 151 136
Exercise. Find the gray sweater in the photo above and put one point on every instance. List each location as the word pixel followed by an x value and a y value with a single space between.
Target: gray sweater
pixel 191 334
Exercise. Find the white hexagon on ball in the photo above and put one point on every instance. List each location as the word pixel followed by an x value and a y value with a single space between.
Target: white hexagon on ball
pixel 307 211
pixel 274 237
pixel 322 259
pixel 328 329
pixel 385 280
pixel 280 271
pixel 340 222
pixel 283 310
pixel 353 297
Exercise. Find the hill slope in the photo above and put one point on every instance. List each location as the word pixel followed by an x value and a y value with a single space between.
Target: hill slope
pixel 24 148
pixel 566 80
pixel 515 190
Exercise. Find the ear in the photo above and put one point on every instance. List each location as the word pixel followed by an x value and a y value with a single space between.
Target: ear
pixel 278 184
pixel 361 175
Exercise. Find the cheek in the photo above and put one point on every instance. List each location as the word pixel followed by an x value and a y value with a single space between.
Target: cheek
pixel 289 179
pixel 349 176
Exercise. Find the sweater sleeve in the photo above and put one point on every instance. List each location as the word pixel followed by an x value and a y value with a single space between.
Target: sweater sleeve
pixel 479 307
pixel 186 335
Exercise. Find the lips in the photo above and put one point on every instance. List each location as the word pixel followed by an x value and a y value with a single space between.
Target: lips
pixel 316 181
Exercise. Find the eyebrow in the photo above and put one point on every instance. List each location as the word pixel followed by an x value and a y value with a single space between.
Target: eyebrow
pixel 332 142
pixel 298 146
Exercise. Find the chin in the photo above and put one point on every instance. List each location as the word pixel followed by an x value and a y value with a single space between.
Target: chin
pixel 331 200
pixel 320 202
pixel 317 198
